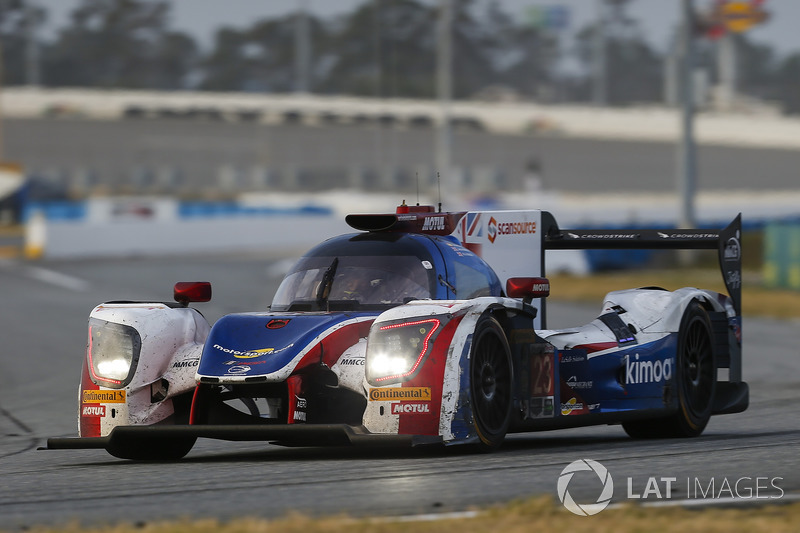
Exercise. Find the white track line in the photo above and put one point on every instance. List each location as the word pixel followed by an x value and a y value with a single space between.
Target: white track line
pixel 427 517
pixel 431 517
pixel 703 502
pixel 56 278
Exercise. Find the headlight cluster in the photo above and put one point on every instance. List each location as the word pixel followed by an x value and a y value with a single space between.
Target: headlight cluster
pixel 395 351
pixel 112 353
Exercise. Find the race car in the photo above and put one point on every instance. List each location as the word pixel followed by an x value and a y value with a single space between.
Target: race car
pixel 424 327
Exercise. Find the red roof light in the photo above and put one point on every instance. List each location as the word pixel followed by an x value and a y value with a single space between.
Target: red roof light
pixel 192 291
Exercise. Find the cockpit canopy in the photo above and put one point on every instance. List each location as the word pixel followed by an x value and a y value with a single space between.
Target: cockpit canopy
pixel 380 270
pixel 362 272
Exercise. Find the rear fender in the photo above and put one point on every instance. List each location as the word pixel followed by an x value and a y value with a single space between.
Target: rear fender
pixel 659 311
pixel 656 312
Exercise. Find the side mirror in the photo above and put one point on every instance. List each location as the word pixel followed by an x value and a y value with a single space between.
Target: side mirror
pixel 528 288
pixel 192 291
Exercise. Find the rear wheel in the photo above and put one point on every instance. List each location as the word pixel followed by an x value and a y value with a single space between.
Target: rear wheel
pixel 490 383
pixel 695 381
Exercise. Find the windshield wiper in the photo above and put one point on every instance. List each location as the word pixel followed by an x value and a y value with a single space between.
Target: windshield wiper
pixel 327 282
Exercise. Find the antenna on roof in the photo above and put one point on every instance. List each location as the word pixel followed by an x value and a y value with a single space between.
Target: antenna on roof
pixel 417 173
pixel 439 183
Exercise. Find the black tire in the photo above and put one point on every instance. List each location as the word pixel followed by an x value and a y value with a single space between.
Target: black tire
pixel 148 450
pixel 145 449
pixel 491 379
pixel 695 381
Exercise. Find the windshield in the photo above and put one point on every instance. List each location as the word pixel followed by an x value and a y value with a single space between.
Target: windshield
pixel 320 283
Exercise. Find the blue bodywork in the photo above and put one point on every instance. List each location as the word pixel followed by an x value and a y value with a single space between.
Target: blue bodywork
pixel 249 339
pixel 596 380
pixel 248 344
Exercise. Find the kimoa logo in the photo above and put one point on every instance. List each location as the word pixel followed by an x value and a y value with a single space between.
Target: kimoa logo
pixel 586 509
pixel 637 372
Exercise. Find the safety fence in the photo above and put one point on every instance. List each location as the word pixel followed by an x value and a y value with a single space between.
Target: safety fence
pixel 782 255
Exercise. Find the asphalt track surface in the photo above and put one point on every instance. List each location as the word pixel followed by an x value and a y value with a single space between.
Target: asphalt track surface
pixel 43 334
pixel 115 150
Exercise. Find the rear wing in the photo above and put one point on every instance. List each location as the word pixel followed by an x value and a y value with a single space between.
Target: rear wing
pixel 727 242
pixel 514 242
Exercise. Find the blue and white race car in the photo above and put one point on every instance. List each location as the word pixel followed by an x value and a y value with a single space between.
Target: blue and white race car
pixel 422 328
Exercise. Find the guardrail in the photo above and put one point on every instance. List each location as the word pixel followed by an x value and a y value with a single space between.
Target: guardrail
pixel 111 227
pixel 119 226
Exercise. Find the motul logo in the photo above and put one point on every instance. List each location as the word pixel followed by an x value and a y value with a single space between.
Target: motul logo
pixel 400 408
pixel 93 410
pixel 541 287
pixel 433 224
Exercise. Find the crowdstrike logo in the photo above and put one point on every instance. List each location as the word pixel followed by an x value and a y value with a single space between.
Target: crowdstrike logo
pixel 586 509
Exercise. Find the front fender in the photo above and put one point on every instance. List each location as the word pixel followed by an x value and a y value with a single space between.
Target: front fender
pixel 441 406
pixel 170 341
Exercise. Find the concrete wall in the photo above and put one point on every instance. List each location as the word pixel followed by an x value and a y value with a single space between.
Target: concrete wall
pixel 111 227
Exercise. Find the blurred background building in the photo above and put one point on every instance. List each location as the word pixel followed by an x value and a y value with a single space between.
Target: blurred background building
pixel 203 101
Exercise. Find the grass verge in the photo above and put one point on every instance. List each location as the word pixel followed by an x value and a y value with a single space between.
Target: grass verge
pixel 756 300
pixel 537 514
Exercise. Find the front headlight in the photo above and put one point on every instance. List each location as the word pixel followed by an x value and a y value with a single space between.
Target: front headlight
pixel 112 352
pixel 396 350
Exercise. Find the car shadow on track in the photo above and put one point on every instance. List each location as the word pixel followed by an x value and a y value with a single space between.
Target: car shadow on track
pixel 211 452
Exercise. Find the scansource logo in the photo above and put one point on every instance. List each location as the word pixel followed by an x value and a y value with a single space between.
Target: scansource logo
pixel 586 509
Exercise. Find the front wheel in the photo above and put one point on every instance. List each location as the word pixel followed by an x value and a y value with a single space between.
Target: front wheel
pixel 145 449
pixel 695 381
pixel 142 448
pixel 490 383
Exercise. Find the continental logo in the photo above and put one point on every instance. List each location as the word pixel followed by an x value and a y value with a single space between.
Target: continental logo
pixel 103 396
pixel 400 393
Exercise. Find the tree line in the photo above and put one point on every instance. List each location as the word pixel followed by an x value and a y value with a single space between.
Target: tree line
pixel 384 48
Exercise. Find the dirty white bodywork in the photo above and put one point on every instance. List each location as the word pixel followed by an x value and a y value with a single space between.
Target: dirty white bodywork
pixel 350 367
pixel 653 313
pixel 378 417
pixel 171 344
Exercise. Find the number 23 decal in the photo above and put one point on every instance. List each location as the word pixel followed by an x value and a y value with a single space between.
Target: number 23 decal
pixel 542 381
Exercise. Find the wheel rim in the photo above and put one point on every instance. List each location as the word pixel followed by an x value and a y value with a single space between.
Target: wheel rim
pixel 697 367
pixel 491 384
